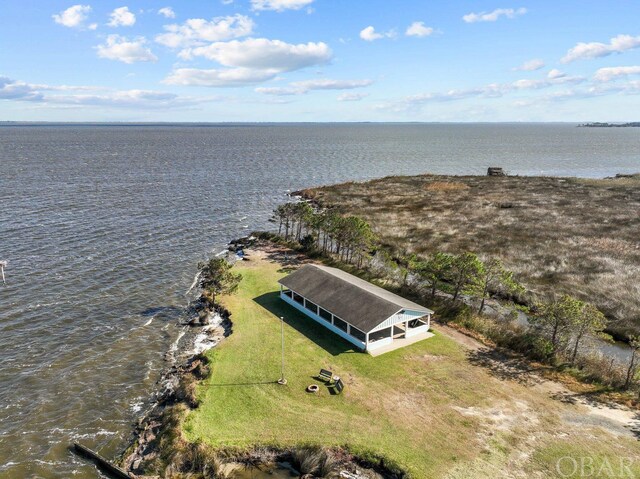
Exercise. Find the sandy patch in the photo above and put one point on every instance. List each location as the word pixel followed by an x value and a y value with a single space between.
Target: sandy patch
pixel 504 417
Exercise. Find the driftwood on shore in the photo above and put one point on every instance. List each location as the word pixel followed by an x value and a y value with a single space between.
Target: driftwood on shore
pixel 107 467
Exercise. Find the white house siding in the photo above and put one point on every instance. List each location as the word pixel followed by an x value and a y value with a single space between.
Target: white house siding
pixel 419 330
pixel 323 322
pixel 379 343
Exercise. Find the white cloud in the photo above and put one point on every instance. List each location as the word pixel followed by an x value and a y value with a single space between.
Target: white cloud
pixel 77 96
pixel 122 17
pixel 528 84
pixel 122 98
pixel 617 44
pixel 305 86
pixel 279 5
pixel 231 77
pixel 124 50
pixel 492 90
pixel 417 29
pixel 135 100
pixel 493 16
pixel 327 84
pixel 612 73
pixel 197 31
pixel 629 88
pixel 553 78
pixel 279 91
pixel 531 65
pixel 250 61
pixel 74 17
pixel 16 90
pixel 352 96
pixel 369 34
pixel 167 12
pixel 555 74
pixel 263 54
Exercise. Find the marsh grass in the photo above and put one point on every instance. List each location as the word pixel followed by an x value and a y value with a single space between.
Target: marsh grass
pixel 559 235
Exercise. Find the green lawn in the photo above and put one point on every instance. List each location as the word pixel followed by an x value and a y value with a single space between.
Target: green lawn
pixel 405 405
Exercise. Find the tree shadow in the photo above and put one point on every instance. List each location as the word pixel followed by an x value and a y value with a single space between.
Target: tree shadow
pixel 330 342
pixel 504 366
pixel 635 426
pixel 288 259
pixel 591 398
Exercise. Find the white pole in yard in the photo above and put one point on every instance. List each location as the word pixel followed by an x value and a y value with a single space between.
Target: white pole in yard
pixel 282 379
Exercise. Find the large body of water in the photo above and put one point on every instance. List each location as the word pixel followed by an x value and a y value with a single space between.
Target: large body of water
pixel 103 227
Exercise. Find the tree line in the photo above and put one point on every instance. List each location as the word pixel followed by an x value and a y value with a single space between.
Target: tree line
pixel 348 237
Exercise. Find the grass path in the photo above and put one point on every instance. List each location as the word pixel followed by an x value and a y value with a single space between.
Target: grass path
pixel 425 407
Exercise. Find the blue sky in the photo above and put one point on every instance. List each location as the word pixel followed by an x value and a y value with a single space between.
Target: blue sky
pixel 319 60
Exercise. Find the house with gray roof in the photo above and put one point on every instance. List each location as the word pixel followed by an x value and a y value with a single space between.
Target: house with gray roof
pixel 364 314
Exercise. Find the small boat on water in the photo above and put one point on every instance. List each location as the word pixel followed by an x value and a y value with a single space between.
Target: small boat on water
pixel 3 265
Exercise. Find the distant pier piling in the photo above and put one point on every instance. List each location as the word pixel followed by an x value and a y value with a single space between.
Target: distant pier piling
pixel 105 466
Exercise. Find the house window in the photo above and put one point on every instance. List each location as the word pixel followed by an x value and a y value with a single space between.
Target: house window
pixel 340 323
pixel 359 335
pixel 326 315
pixel 311 306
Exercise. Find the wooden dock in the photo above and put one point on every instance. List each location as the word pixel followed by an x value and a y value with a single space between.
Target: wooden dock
pixel 105 466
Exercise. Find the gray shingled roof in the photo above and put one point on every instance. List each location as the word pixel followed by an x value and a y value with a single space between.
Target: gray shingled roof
pixel 360 303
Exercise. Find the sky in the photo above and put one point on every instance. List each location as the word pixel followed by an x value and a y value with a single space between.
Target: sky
pixel 319 60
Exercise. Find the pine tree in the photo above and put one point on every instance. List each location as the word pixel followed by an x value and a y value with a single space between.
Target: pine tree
pixel 217 278
pixel 492 276
pixel 464 268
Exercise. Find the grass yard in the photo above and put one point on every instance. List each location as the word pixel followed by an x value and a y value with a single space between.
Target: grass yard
pixel 424 407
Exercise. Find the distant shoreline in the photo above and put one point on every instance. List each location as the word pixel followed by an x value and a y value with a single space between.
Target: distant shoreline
pixel 634 124
pixel 11 123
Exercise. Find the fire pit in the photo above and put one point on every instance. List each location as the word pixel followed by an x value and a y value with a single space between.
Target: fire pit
pixel 313 388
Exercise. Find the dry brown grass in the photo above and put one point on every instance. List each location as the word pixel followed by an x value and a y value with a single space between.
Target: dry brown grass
pixel 446 186
pixel 565 235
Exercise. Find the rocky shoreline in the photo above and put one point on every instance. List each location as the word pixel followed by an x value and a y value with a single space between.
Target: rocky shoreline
pixel 177 394
pixel 213 324
pixel 144 448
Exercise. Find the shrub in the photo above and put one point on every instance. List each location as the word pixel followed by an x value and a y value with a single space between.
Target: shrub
pixel 306 460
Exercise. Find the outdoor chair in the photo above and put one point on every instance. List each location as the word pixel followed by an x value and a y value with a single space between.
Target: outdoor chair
pixel 326 375
pixel 338 386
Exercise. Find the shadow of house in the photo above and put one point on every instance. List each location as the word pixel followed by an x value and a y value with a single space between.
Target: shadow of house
pixel 330 342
